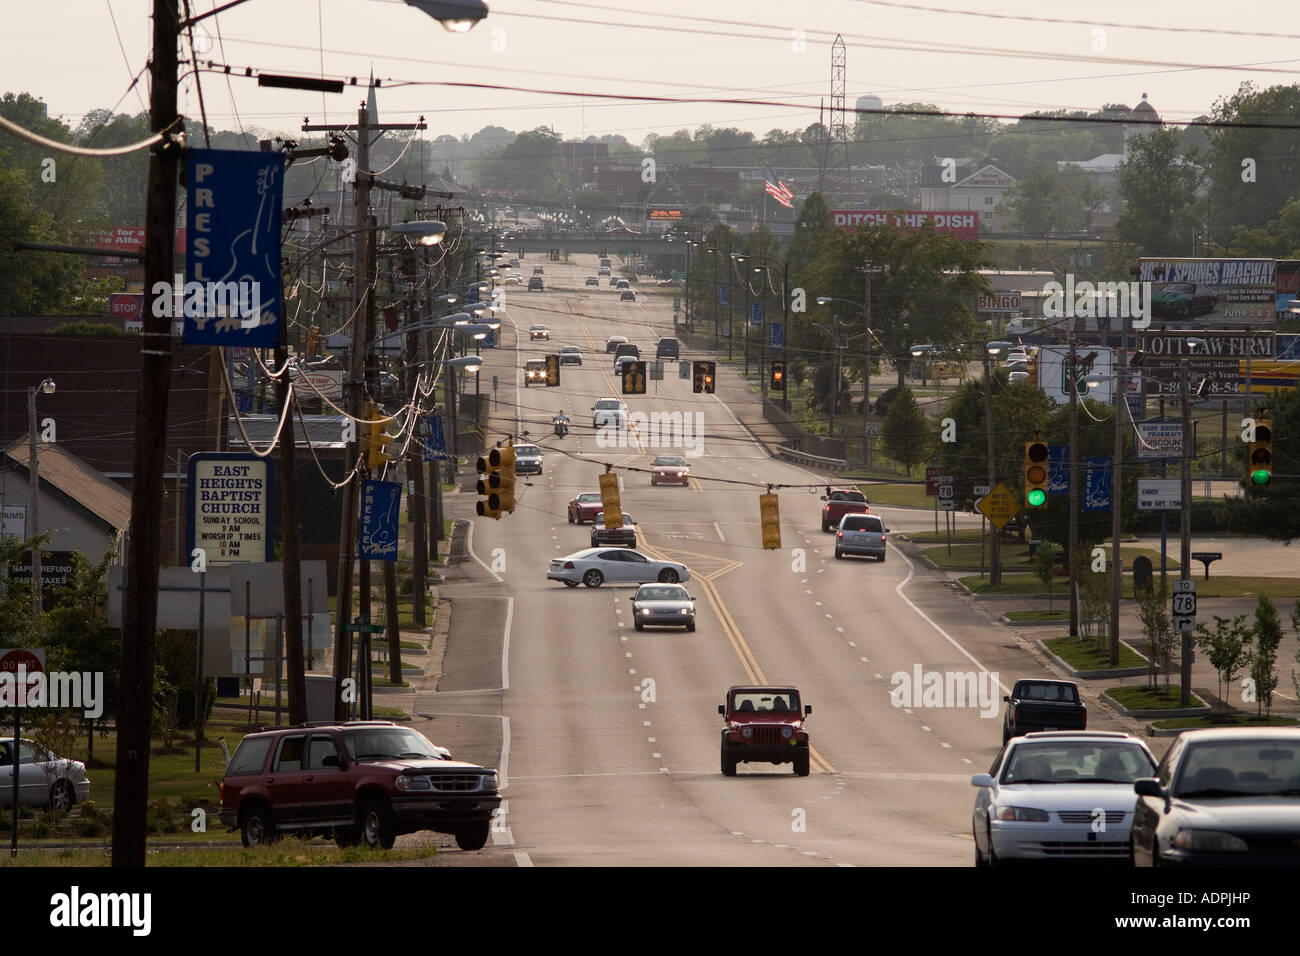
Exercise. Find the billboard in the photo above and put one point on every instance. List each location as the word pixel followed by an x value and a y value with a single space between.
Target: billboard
pixel 964 225
pixel 1054 378
pixel 1211 292
pixel 231 503
pixel 665 213
pixel 1222 359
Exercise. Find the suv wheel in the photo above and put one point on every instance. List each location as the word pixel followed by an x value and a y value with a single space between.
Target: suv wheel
pixel 801 764
pixel 472 838
pixel 668 576
pixel 256 827
pixel 377 824
pixel 593 578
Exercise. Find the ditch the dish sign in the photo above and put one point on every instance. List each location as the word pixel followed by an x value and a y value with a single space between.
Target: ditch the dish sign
pixel 230 500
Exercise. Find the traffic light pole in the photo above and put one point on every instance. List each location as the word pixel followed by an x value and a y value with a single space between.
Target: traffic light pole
pixel 995 549
pixel 1185 523
pixel 1072 555
pixel 1116 497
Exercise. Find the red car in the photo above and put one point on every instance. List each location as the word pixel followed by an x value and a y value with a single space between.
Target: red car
pixel 670 470
pixel 764 725
pixel 585 507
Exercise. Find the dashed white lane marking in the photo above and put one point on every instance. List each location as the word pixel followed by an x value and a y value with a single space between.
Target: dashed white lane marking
pixel 645 723
pixel 657 756
pixel 945 746
pixel 721 536
pixel 863 659
pixel 851 644
pixel 650 740
pixel 522 859
pixel 926 729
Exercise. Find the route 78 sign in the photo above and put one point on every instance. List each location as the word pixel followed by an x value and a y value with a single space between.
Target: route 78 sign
pixel 1184 616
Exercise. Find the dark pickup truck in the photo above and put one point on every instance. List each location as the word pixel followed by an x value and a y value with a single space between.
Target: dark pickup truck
pixel 1035 705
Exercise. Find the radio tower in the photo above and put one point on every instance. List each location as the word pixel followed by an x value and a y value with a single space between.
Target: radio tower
pixel 839 138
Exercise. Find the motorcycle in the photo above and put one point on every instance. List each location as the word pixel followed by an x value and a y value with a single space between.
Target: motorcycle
pixel 561 427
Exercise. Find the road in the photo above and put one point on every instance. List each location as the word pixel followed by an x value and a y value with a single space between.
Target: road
pixel 609 736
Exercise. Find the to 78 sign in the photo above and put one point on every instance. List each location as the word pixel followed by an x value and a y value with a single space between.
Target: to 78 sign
pixel 1184 605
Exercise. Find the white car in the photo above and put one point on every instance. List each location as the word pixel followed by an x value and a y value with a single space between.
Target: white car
pixel 608 411
pixel 44 780
pixel 1063 795
pixel 595 566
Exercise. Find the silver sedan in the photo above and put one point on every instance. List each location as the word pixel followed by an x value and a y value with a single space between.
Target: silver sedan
pixel 594 566
pixel 666 604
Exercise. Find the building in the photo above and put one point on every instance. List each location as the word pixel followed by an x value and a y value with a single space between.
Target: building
pixel 966 185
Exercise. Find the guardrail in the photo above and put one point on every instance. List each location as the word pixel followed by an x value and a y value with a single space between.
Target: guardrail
pixel 813 461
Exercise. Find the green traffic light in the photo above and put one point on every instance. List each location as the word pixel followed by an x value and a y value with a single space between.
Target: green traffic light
pixel 1260 476
pixel 1036 497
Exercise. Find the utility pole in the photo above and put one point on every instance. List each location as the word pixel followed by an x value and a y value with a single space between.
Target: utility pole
pixel 1185 521
pixel 34 474
pixel 1116 497
pixel 140 605
pixel 785 335
pixel 289 537
pixel 995 550
pixel 1072 555
pixel 415 507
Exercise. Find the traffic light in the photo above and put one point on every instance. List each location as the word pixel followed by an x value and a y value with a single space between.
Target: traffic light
pixel 552 371
pixel 497 484
pixel 313 339
pixel 704 376
pixel 634 374
pixel 375 438
pixel 770 511
pixel 1036 474
pixel 1261 453
pixel 778 377
pixel 609 500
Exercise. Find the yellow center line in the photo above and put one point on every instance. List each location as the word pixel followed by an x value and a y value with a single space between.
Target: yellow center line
pixel 731 629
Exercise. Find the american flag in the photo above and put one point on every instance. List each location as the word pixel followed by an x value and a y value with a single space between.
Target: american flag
pixel 778 190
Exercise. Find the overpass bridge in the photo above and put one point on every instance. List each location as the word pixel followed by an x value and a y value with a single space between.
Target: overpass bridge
pixel 534 242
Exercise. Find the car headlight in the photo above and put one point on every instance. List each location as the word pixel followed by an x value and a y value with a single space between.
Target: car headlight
pixel 1023 814
pixel 643 610
pixel 489 782
pixel 787 732
pixel 1215 841
pixel 686 610
pixel 405 783
pixel 747 731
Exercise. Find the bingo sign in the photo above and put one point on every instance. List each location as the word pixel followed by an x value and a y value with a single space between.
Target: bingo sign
pixel 230 500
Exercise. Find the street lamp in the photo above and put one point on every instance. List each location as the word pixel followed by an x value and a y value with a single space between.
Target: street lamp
pixel 428 232
pixel 456 16
pixel 34 470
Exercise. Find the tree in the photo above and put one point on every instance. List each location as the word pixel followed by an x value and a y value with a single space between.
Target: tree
pixel 1252 173
pixel 1153 611
pixel 1045 567
pixel 1225 646
pixel 810 228
pixel 1262 660
pixel 1158 185
pixel 903 432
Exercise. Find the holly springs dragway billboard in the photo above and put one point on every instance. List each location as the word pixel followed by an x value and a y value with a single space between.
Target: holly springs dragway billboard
pixel 1229 292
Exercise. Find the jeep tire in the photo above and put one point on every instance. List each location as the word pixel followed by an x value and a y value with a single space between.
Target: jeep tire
pixel 256 826
pixel 473 837
pixel 377 824
pixel 728 763
pixel 801 763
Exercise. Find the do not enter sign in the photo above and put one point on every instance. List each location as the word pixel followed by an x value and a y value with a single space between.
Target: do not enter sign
pixel 14 661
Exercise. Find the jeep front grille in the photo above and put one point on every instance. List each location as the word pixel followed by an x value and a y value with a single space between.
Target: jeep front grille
pixel 767 735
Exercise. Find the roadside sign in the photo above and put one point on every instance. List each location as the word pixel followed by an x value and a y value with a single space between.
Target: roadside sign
pixel 999 506
pixel 1184 616
pixel 873 430
pixel 231 499
pixel 1160 439
pixel 684 370
pixel 1159 494
pixel 1058 469
pixel 380 501
pixel 931 482
pixel 756 315
pixel 724 295
pixel 777 333
pixel 981 490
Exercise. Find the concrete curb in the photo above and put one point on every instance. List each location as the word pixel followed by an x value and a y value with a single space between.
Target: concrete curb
pixel 1010 623
pixel 1205 711
pixel 1096 675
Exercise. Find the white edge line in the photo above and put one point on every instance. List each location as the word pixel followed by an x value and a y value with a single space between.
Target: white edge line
pixel 911 570
pixel 721 536
pixel 522 859
pixel 505 645
pixel 469 546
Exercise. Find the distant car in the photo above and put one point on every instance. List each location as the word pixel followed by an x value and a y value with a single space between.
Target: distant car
pixel 604 270
pixel 528 460
pixel 624 534
pixel 596 566
pixel 535 285
pixel 764 725
pixel 1064 796
pixel 663 604
pixel 627 348
pixel 667 348
pixel 534 372
pixel 627 295
pixel 538 270
pixel 1036 705
pixel 672 283
pixel 621 361
pixel 614 281
pixel 839 502
pixel 614 341
pixel 670 470
pixel 861 534
pixel 513 279
pixel 622 284
pixel 593 280
pixel 608 411
pixel 513 264
pixel 539 332
pixel 585 507
pixel 1018 375
pixel 1182 300
pixel 44 779
pixel 1222 797
pixel 570 355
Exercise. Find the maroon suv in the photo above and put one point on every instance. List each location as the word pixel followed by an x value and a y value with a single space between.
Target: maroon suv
pixel 764 725
pixel 363 782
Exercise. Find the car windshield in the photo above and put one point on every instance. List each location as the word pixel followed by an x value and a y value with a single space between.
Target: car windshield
pixel 379 743
pixel 1077 762
pixel 608 403
pixel 1239 768
pixel 670 460
pixel 766 701
pixel 528 450
pixel 589 496
pixel 661 592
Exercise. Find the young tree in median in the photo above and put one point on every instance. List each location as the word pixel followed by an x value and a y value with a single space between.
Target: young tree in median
pixel 904 432
pixel 1226 647
pixel 1153 611
pixel 1263 659
pixel 1045 567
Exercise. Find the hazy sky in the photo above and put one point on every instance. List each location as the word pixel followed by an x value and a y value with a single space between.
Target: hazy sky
pixel 73 55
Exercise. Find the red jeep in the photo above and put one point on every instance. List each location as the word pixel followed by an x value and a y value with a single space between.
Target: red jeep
pixel 764 725
pixel 841 502
pixel 363 782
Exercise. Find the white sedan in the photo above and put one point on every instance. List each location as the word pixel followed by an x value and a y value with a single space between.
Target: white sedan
pixel 594 566
pixel 44 779
pixel 1063 795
